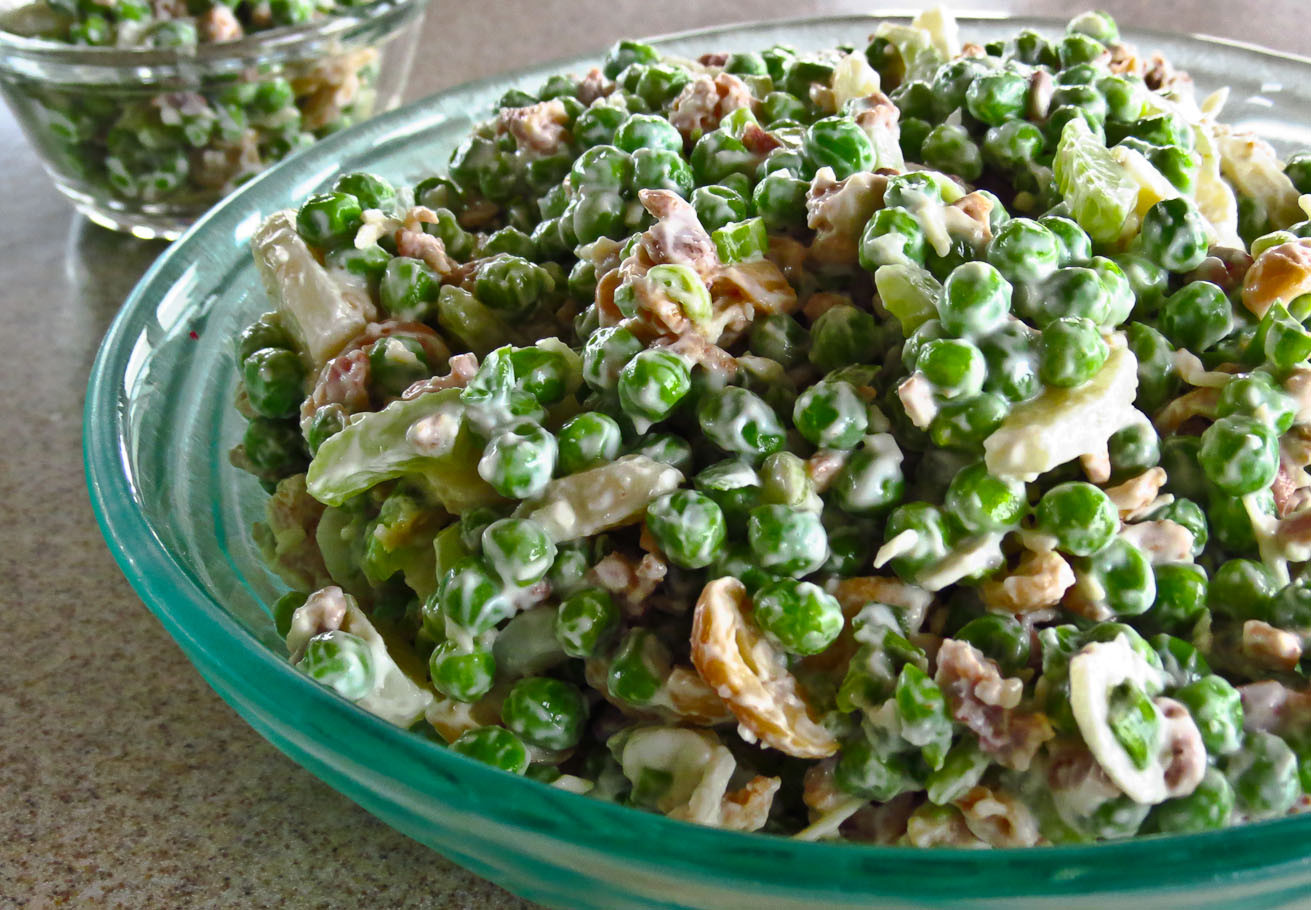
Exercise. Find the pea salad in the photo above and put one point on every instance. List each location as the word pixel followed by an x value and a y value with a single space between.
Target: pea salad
pixel 905 443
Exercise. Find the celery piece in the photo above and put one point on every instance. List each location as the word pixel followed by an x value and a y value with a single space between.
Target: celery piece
pixel 424 438
pixel 1100 192
pixel 909 293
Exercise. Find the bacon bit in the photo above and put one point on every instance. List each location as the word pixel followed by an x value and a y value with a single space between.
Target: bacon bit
pixel 478 214
pixel 1225 267
pixel 916 394
pixel 696 349
pixel 998 818
pixel 1162 75
pixel 1291 483
pixel 982 700
pixel 1041 89
pixel 719 58
pixel 1187 755
pixel 705 101
pixel 218 23
pixel 884 823
pixel 972 49
pixel 1163 541
pixel 323 611
pixel 837 210
pixel 1039 582
pixel 790 256
pixel 463 368
pixel 759 283
pixel 1138 492
pixel 1298 385
pixel 821 302
pixel 1125 60
pixel 421 245
pixel 693 701
pixel 343 381
pixel 1280 273
pixel 633 582
pixel 1270 647
pixel 1197 403
pixel 542 128
pixel 1097 465
pixel 677 236
pixel 758 140
pixel 976 206
pixel 1273 707
pixel 823 467
pixel 876 113
pixel 593 86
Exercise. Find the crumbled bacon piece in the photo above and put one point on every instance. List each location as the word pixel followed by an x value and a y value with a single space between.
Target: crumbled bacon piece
pixel 542 127
pixel 970 681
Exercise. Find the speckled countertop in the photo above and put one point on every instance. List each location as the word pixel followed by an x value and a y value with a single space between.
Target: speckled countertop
pixel 124 781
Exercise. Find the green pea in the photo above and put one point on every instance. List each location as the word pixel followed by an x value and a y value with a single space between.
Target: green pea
pixel 666 448
pixel 1069 291
pixel 1024 251
pixel 660 83
pixel 409 289
pixel 996 97
pixel 462 673
pixel 396 362
pixel 787 541
pixel 544 712
pixel 342 662
pixel 688 526
pixel 981 503
pixel 1012 362
pixel 607 351
pixel 588 440
pixel 1133 450
pixel 495 746
pixel 1075 242
pixel 1239 454
pixel 1258 395
pixel 1242 589
pixel 519 549
pixel 329 219
pixel 780 338
pixel 798 616
pixel 1012 145
pixel 660 169
pixel 850 548
pixel 1217 709
pixel 274 448
pixel 1291 608
pixel 1002 638
pixel 284 608
pixel 519 462
pixel 717 206
pixel 584 621
pixel 803 72
pixel 638 668
pixel 1264 775
pixel 783 106
pixel 1231 518
pixel 275 381
pixel 841 336
pixel 962 769
pixel 954 366
pixel 1196 316
pixel 369 263
pixel 1157 379
pixel 569 571
pixel 735 486
pixel 651 385
pixel 1181 596
pixel 512 285
pixel 1285 342
pixel 871 773
pixel 1209 807
pixel 457 241
pixel 1124 574
pixel 780 199
pixel 963 423
pixel 871 480
pixel 975 299
pixel 831 415
pixel 1080 517
pixel 838 143
pixel 1173 235
pixel 740 422
pixel 949 148
pixel 1071 351
pixel 718 155
pixel 472 597
pixel 913 133
pixel 626 52
pixel 372 191
pixel 265 332
pixel 892 236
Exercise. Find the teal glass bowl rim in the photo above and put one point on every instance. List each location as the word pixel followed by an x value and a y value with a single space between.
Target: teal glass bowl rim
pixel 207 632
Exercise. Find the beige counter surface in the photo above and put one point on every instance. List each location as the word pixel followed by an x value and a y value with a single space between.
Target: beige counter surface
pixel 124 781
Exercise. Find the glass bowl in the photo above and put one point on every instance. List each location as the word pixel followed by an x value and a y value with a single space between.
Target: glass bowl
pixel 159 422
pixel 146 139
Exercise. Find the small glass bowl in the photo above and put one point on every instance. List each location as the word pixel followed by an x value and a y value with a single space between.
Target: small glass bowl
pixel 145 140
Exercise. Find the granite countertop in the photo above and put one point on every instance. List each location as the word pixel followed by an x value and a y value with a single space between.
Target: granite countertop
pixel 125 781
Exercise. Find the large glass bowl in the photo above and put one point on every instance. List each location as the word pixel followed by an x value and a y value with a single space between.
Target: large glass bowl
pixel 147 139
pixel 159 422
